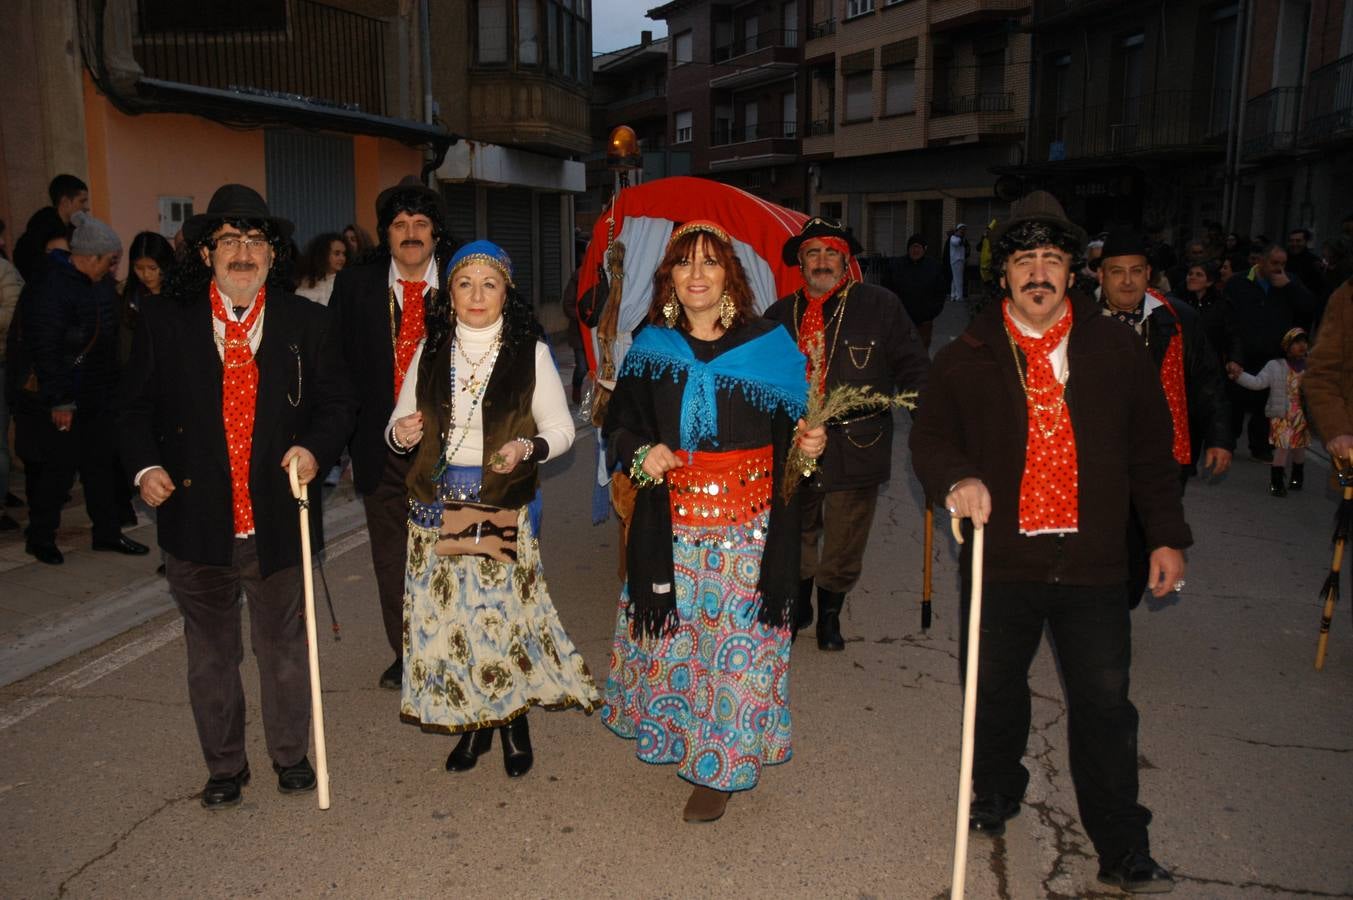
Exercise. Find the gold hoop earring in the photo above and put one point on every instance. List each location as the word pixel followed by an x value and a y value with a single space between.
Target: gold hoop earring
pixel 726 310
pixel 670 309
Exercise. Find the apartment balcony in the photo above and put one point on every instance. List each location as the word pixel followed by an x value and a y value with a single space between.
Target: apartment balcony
pixel 637 107
pixel 1055 13
pixel 533 112
pixel 821 39
pixel 1271 124
pixel 947 14
pixel 754 145
pixel 757 59
pixel 819 138
pixel 970 117
pixel 1329 104
pixel 301 51
pixel 1163 124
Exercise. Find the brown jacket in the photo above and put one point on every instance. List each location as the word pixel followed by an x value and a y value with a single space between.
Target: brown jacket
pixel 1328 382
pixel 973 424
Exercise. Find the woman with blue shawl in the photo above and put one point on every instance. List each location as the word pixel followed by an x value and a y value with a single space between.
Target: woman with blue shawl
pixel 482 409
pixel 702 420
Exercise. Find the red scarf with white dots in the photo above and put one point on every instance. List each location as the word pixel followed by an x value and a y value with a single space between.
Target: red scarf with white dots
pixel 1049 493
pixel 239 396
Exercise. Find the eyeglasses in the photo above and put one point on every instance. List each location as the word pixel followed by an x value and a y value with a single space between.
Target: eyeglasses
pixel 230 243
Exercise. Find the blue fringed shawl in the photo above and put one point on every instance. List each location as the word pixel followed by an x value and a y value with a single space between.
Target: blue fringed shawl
pixel 768 370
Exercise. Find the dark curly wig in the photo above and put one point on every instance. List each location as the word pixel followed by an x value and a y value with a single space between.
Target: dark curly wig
pixel 188 279
pixel 1033 234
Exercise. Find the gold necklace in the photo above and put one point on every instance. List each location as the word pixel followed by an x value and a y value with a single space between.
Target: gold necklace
pixel 473 384
pixel 839 315
pixel 1042 411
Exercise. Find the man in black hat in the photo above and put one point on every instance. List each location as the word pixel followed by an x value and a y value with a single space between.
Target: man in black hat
pixel 918 280
pixel 1190 374
pixel 1046 463
pixel 867 340
pixel 230 380
pixel 382 308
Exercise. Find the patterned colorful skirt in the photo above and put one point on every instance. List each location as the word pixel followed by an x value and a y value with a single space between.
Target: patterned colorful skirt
pixel 482 640
pixel 712 696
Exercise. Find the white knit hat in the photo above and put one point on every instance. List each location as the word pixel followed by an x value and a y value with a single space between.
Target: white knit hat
pixel 92 237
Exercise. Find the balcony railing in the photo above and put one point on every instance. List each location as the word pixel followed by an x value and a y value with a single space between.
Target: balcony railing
pixel 776 37
pixel 1163 121
pixel 632 99
pixel 304 50
pixel 755 131
pixel 822 29
pixel 1329 102
pixel 1271 122
pixel 974 103
pixel 819 127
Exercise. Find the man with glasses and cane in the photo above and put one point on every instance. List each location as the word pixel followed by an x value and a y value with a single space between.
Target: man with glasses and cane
pixel 1041 421
pixel 230 380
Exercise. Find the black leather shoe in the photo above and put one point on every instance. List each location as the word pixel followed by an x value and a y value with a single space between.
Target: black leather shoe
pixel 221 793
pixel 989 813
pixel 517 755
pixel 801 616
pixel 1136 873
pixel 295 779
pixel 45 553
pixel 122 544
pixel 471 746
pixel 829 605
pixel 393 678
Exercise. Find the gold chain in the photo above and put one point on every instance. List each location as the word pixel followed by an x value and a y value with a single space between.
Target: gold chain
pixel 1042 412
pixel 839 315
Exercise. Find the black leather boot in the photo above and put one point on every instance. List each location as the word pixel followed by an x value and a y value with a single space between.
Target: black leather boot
pixel 1277 481
pixel 829 605
pixel 517 756
pixel 1298 475
pixel 471 746
pixel 802 614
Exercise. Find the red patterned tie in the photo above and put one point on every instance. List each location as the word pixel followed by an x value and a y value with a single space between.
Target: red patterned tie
pixel 410 329
pixel 239 395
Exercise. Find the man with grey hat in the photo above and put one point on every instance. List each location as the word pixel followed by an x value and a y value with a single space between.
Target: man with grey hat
pixel 231 379
pixel 1047 464
pixel 66 334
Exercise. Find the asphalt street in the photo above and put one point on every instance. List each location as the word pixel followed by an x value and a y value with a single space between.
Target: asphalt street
pixel 1245 749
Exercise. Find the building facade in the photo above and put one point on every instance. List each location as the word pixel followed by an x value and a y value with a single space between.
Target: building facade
pixel 319 105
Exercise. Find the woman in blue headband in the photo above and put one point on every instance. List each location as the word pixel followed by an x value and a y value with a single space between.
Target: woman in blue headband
pixel 482 640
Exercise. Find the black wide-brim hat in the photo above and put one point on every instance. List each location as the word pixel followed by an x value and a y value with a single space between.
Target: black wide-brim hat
pixel 234 201
pixel 818 227
pixel 411 184
pixel 1123 242
pixel 1041 207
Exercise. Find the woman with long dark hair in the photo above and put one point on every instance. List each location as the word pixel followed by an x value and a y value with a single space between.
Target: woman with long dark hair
pixel 480 410
pixel 324 257
pixel 702 419
pixel 150 258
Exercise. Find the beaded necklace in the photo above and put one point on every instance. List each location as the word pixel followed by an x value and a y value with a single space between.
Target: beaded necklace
pixel 448 453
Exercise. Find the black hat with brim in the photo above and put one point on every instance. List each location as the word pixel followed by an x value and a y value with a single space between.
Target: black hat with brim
pixel 1041 207
pixel 234 202
pixel 818 227
pixel 411 184
pixel 1123 242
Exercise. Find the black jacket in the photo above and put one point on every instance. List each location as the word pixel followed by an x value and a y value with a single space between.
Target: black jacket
pixel 874 345
pixel 170 415
pixel 1262 318
pixel 920 284
pixel 1204 382
pixel 973 423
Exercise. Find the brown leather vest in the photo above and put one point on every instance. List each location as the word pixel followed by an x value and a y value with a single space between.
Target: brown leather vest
pixel 506 409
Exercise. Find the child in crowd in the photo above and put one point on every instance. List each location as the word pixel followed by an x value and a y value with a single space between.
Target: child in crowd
pixel 1287 429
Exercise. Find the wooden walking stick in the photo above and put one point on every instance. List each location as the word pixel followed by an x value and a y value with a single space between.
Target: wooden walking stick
pixel 1343 519
pixel 969 710
pixel 926 566
pixel 302 495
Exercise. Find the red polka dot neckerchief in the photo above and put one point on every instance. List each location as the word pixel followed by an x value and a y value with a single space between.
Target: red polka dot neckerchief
pixel 812 328
pixel 1049 492
pixel 239 397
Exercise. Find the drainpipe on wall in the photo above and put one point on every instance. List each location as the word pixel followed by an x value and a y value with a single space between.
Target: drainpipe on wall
pixel 1235 114
pixel 425 52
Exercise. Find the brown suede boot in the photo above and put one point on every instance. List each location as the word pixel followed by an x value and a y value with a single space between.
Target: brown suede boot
pixel 705 804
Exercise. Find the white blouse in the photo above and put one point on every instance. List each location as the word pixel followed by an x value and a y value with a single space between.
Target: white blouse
pixel 548 405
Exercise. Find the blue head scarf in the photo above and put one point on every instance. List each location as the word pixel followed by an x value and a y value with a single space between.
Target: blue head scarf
pixel 484 253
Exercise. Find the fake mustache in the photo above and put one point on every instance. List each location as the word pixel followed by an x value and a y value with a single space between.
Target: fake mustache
pixel 821 271
pixel 1038 286
pixel 411 242
pixel 242 266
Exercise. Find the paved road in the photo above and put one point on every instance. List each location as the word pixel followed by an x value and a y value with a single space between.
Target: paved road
pixel 1246 750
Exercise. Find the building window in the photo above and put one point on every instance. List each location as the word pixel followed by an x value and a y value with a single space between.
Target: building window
pixel 682 48
pixel 789 24
pixel 830 210
pixel 899 77
pixel 1223 66
pixel 789 115
pixel 1060 102
pixel 528 33
pixel 888 228
pixel 683 121
pixel 492 31
pixel 941 78
pixel 858 8
pixel 859 97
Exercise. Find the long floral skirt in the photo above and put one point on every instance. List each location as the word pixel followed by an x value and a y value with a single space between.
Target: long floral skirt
pixel 482 640
pixel 713 696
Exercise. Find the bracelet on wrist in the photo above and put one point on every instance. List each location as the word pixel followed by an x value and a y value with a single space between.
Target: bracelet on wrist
pixel 528 446
pixel 400 446
pixel 641 478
